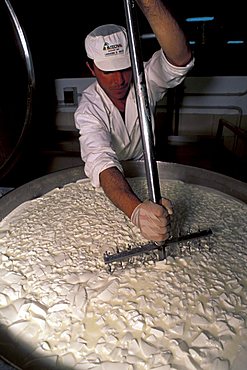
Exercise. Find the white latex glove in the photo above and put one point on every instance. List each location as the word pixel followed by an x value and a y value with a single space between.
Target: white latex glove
pixel 153 219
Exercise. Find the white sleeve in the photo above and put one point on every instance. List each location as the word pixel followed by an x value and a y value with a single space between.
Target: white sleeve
pixel 162 75
pixel 95 144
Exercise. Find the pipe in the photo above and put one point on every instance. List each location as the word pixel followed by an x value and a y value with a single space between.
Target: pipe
pixel 25 52
pixel 142 101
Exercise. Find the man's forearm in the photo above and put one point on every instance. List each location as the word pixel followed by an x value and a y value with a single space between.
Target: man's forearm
pixel 118 190
pixel 167 31
pixel 152 219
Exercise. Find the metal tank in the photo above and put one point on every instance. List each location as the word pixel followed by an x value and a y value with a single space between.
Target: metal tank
pixel 169 171
pixel 17 89
pixel 38 187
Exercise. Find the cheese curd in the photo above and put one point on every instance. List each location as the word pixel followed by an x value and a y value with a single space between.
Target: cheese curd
pixel 59 303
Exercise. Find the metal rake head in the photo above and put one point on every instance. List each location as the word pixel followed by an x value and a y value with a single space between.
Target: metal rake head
pixel 152 252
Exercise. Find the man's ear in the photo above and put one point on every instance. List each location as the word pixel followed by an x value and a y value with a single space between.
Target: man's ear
pixel 90 69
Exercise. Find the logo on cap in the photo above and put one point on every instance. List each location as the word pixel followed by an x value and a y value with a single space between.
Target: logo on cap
pixel 112 49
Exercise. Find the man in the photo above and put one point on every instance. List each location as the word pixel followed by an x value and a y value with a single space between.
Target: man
pixel 107 116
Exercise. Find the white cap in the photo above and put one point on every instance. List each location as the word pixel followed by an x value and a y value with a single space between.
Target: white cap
pixel 108 46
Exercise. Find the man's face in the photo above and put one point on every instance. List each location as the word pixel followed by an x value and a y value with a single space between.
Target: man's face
pixel 116 84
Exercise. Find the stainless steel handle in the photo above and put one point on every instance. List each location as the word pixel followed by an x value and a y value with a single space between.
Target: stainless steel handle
pixel 142 101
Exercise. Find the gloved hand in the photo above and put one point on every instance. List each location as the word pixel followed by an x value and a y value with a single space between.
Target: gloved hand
pixel 153 219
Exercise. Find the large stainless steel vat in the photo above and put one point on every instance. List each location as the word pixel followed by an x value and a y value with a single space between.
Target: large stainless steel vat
pixel 172 171
pixel 40 186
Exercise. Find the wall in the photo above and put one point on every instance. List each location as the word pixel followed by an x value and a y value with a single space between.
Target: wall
pixel 199 104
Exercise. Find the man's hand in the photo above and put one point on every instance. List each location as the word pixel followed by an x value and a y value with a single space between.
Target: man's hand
pixel 153 219
pixel 167 204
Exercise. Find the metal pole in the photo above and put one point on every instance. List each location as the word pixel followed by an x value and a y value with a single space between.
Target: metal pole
pixel 142 101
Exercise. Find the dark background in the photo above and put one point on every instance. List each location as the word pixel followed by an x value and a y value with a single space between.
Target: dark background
pixel 56 31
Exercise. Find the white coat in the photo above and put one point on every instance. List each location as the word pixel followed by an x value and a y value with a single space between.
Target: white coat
pixel 105 138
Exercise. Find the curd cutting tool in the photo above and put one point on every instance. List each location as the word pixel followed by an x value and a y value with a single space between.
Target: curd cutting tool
pixel 156 251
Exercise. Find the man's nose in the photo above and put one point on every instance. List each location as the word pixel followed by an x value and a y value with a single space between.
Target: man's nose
pixel 118 77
